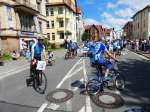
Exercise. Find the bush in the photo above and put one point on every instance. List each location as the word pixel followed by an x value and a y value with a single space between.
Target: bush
pixel 53 46
pixel 7 56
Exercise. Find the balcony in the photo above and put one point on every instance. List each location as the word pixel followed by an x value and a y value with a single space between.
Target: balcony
pixel 27 6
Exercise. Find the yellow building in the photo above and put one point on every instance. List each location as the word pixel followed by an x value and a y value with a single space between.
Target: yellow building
pixel 61 18
pixel 21 19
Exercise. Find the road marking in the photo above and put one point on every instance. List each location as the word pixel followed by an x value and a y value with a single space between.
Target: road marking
pixel 69 72
pixel 75 72
pixel 14 71
pixel 44 105
pixel 53 106
pixel 140 56
pixel 117 92
pixel 88 107
pixel 82 109
pixel 42 108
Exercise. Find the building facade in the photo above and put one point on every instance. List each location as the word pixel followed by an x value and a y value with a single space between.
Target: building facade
pixel 128 30
pixel 21 19
pixel 141 24
pixel 61 16
pixel 98 31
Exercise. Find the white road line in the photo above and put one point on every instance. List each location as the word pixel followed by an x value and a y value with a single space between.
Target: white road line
pixel 42 108
pixel 117 92
pixel 44 105
pixel 140 56
pixel 82 109
pixel 75 72
pixel 14 71
pixel 69 72
pixel 53 106
pixel 88 107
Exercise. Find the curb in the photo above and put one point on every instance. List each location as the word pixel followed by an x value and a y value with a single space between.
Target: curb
pixel 141 54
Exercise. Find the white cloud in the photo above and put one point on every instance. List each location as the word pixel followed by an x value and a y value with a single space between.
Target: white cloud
pixel 111 21
pixel 127 12
pixel 91 21
pixel 111 5
pixel 135 4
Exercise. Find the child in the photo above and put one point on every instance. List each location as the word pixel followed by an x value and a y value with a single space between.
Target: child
pixel 14 55
pixel 50 54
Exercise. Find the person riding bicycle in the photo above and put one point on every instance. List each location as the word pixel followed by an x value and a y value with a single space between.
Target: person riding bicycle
pixel 100 49
pixel 38 49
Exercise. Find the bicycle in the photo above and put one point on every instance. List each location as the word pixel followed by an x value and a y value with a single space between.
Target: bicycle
pixel 97 84
pixel 37 78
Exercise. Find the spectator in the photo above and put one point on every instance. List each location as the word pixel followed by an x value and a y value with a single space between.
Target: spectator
pixel 14 55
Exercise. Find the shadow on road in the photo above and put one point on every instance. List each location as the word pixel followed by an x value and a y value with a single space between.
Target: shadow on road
pixel 137 91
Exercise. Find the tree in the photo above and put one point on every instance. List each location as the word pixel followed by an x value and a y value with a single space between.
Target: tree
pixel 46 43
pixel 85 36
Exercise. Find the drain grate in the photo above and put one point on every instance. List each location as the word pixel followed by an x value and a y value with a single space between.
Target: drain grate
pixel 59 96
pixel 107 100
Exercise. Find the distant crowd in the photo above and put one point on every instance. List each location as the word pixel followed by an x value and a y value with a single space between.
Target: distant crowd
pixel 139 45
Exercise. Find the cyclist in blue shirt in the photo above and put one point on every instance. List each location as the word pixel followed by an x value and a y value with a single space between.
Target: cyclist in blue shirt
pixel 100 49
pixel 38 49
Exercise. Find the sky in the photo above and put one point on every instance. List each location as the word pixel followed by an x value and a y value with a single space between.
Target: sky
pixel 110 13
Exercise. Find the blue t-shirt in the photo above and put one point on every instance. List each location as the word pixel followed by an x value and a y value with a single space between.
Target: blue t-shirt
pixel 100 49
pixel 38 49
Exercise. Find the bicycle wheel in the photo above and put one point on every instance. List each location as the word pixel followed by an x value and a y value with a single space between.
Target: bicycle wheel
pixel 119 82
pixel 93 87
pixel 67 55
pixel 40 82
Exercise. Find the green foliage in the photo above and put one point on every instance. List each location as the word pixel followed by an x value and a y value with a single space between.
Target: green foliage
pixel 85 36
pixel 46 44
pixel 7 56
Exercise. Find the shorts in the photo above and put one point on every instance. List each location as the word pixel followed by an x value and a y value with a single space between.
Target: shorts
pixel 106 63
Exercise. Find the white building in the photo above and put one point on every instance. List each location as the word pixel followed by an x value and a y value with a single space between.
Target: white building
pixel 61 16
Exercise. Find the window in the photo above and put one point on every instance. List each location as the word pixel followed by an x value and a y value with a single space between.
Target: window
pixel 60 10
pixel 144 24
pixel 61 35
pixel 48 36
pixel 47 24
pixel 40 26
pixel 47 11
pixel 61 23
pixel 53 36
pixel 39 7
pixel 52 11
pixel 52 24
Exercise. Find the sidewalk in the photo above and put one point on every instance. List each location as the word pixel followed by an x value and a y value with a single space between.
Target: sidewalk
pixel 13 67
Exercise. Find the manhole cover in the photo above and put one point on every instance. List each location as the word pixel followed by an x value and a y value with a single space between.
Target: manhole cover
pixel 107 100
pixel 59 96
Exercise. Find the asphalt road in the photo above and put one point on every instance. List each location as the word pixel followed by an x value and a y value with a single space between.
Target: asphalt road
pixel 16 97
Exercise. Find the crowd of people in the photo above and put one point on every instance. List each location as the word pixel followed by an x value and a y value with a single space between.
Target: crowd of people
pixel 139 45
